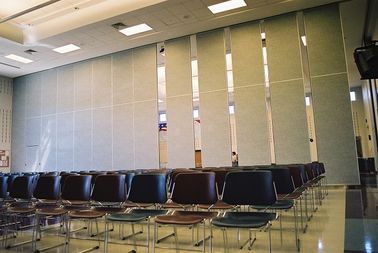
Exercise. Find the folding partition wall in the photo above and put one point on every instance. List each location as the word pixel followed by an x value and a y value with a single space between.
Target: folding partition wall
pixel 179 103
pixel 102 113
pixel 249 95
pixel 290 131
pixel 214 115
pixel 330 90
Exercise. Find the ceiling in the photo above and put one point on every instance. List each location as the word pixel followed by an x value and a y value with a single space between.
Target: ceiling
pixel 87 23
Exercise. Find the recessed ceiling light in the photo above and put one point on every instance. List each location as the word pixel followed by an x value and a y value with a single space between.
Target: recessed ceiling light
pixel 66 48
pixel 135 29
pixel 226 6
pixel 263 36
pixel 18 58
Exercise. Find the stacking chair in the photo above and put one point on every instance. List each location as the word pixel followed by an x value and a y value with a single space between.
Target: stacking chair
pixel 20 213
pixel 286 198
pixel 145 188
pixel 247 188
pixel 190 189
pixel 47 194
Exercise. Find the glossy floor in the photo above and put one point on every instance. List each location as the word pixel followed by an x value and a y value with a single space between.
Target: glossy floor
pixel 325 233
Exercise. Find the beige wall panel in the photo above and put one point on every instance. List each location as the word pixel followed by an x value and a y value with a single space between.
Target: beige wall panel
pixel 123 137
pixel 178 67
pixel 102 83
pixel 251 125
pixel 180 132
pixel 83 140
pixel 83 85
pixel 49 91
pixel 290 130
pixel 65 141
pixel 247 59
pixel 48 143
pixel 334 128
pixel 122 67
pixel 33 95
pixel 324 40
pixel 282 41
pixel 215 129
pixel 66 89
pixel 145 73
pixel 179 104
pixel 211 61
pixel 102 139
pixel 146 135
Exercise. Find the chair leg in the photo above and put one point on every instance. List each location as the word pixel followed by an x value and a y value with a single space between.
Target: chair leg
pixel 176 239
pixel 270 239
pixel 296 229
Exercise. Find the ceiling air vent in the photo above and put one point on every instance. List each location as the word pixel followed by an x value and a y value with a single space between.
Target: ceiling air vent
pixel 30 51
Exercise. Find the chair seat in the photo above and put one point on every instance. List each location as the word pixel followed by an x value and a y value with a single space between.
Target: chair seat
pixel 51 211
pixel 218 205
pixel 136 215
pixel 85 214
pixel 20 210
pixel 129 204
pixel 293 195
pixel 244 219
pixel 279 205
pixel 110 209
pixel 173 205
pixel 185 217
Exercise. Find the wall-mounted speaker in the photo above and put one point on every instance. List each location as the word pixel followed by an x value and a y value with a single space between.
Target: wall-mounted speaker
pixel 366 59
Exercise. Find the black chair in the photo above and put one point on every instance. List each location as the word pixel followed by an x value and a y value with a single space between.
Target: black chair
pixel 286 198
pixel 48 208
pixel 186 192
pixel 247 188
pixel 20 212
pixel 147 188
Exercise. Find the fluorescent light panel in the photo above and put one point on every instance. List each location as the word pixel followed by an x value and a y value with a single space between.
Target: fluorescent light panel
pixel 128 31
pixel 353 96
pixel 18 58
pixel 66 49
pixel 226 6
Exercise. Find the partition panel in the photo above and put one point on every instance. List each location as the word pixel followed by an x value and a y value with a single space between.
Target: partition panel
pixel 179 103
pixel 83 85
pixel 290 131
pixel 65 89
pixel 214 115
pixel 289 122
pixel 83 140
pixel 146 141
pixel 102 84
pixel 49 92
pixel 123 137
pixel 48 143
pixel 249 95
pixel 102 139
pixel 33 95
pixel 122 68
pixel 330 91
pixel 65 141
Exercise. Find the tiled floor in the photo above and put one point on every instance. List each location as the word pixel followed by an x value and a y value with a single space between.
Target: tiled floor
pixel 361 217
pixel 325 233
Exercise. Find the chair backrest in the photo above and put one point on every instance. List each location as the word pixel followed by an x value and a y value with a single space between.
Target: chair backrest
pixel 148 188
pixel 109 188
pixel 282 180
pixel 48 187
pixel 195 188
pixel 3 186
pixel 77 187
pixel 22 187
pixel 10 181
pixel 249 188
pixel 298 174
pixel 63 177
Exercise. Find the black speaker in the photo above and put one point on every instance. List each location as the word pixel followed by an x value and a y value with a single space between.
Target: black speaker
pixel 366 59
